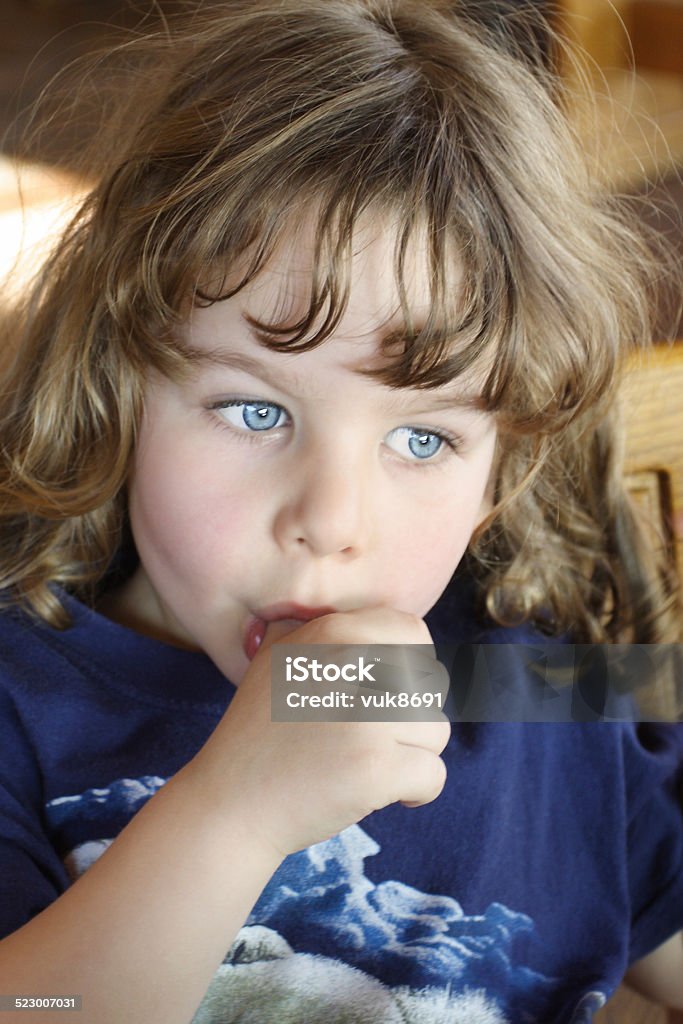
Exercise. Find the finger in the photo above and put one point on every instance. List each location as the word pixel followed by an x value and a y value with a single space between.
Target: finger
pixel 421 778
pixel 431 736
pixel 380 624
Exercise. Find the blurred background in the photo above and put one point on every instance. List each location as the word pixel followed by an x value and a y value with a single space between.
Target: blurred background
pixel 633 59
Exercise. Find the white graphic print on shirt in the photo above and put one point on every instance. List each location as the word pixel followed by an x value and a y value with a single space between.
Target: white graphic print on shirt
pixel 326 945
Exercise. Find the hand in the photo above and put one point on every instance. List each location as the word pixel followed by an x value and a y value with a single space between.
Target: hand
pixel 296 783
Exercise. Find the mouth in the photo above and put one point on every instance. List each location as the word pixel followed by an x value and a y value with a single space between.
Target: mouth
pixel 287 614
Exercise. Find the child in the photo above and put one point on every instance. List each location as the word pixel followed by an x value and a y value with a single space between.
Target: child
pixel 341 315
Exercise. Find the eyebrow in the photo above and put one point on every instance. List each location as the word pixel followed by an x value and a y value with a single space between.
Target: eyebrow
pixel 433 399
pixel 235 361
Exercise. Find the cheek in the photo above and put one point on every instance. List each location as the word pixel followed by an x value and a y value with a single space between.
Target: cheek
pixel 441 557
pixel 426 553
pixel 184 514
pixel 435 536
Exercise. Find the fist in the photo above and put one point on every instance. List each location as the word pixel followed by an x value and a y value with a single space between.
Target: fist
pixel 297 783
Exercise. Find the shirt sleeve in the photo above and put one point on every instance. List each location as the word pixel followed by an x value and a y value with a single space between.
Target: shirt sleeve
pixel 31 873
pixel 653 762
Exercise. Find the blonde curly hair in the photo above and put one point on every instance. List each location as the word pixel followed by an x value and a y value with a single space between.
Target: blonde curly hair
pixel 237 121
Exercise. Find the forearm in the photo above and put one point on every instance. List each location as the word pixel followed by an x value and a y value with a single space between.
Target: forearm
pixel 142 932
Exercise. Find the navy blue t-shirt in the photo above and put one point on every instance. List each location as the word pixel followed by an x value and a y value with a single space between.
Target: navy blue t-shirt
pixel 552 859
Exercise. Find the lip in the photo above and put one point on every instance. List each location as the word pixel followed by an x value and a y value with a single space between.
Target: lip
pixel 289 610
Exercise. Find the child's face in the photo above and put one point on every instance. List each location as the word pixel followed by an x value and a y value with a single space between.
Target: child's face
pixel 273 485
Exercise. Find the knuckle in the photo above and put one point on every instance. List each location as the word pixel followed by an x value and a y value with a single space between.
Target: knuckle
pixel 443 732
pixel 439 775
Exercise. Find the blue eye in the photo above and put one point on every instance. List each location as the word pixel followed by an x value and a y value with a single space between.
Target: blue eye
pixel 423 446
pixel 261 417
pixel 252 416
pixel 415 443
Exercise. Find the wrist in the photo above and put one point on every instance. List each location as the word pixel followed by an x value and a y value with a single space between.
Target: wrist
pixel 227 818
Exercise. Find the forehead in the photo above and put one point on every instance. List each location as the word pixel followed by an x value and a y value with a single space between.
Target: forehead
pixel 383 289
pixel 234 332
pixel 281 292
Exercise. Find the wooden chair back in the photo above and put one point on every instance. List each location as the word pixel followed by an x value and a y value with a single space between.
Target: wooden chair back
pixel 654 444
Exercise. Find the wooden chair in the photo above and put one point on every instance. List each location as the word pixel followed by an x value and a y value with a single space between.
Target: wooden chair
pixel 654 463
pixel 656 28
pixel 654 445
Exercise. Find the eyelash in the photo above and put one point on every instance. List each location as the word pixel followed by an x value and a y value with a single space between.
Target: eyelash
pixel 452 441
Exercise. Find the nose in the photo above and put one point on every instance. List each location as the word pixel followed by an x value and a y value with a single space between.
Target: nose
pixel 326 507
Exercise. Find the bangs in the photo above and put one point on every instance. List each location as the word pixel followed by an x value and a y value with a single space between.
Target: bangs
pixel 459 325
